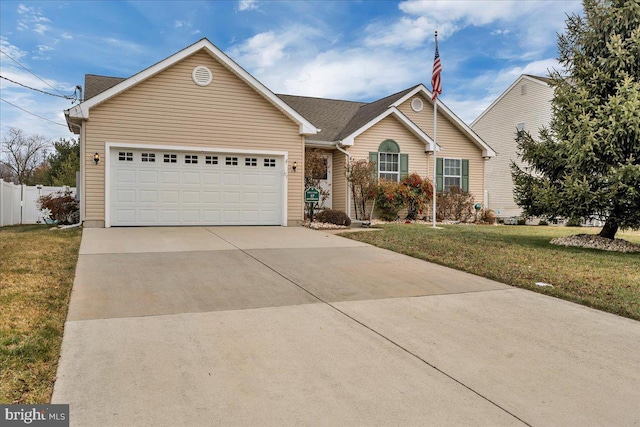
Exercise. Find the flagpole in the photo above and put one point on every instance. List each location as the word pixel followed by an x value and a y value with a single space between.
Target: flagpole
pixel 435 144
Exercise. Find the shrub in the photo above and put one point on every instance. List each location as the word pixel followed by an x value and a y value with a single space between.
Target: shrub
pixel 522 221
pixel 389 200
pixel 334 217
pixel 487 216
pixel 543 222
pixel 416 193
pixel 361 175
pixel 62 207
pixel 454 205
pixel 573 222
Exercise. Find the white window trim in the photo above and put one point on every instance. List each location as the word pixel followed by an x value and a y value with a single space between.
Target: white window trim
pixel 108 146
pixel 444 176
pixel 389 172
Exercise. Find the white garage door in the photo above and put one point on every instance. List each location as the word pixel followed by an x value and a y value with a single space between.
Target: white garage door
pixel 155 187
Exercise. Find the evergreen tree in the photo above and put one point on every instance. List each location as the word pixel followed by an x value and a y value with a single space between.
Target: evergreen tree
pixel 64 162
pixel 587 163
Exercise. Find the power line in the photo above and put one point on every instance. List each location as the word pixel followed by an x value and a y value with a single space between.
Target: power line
pixel 73 98
pixel 33 114
pixel 38 77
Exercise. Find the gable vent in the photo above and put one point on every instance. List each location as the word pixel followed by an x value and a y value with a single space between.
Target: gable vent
pixel 201 76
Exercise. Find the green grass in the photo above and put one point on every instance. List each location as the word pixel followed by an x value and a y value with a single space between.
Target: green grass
pixel 37 267
pixel 521 256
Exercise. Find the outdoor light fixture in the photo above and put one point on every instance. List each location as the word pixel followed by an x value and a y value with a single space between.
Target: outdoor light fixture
pixel 294 166
pixel 96 158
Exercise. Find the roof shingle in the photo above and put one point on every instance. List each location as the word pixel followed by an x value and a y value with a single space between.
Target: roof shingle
pixel 95 84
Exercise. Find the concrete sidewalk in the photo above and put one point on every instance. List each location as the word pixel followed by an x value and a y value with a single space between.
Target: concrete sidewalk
pixel 289 326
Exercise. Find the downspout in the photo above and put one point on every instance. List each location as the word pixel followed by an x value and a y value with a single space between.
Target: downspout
pixel 348 186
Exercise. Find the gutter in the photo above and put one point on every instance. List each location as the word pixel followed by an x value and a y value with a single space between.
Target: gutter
pixel 339 148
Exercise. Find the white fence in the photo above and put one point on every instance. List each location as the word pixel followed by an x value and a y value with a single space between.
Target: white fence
pixel 19 203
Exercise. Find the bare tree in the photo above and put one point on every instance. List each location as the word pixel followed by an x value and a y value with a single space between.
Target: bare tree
pixel 21 154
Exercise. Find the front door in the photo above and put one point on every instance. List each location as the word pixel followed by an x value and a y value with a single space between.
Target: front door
pixel 325 182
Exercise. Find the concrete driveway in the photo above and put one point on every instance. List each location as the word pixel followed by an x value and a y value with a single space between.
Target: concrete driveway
pixel 289 326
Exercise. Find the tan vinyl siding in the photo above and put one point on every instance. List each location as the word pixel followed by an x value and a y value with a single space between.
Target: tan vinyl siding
pixel 498 128
pixel 339 184
pixel 454 143
pixel 170 109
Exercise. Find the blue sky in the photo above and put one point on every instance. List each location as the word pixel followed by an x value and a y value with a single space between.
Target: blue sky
pixel 355 50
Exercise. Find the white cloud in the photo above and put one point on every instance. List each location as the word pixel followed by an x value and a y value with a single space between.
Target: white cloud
pixel 42 52
pixel 247 5
pixel 303 61
pixel 194 32
pixel 535 21
pixel 498 32
pixel 352 74
pixel 181 24
pixel 66 36
pixel 13 51
pixel 32 16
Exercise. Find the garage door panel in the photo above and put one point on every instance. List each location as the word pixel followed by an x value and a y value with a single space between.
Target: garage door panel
pixel 211 197
pixel 170 196
pixel 190 178
pixel 269 180
pixel 125 215
pixel 191 215
pixel 169 177
pixel 231 216
pixel 190 196
pixel 148 177
pixel 231 178
pixel 230 197
pixel 170 216
pixel 211 216
pixel 211 178
pixel 126 176
pixel 251 198
pixel 195 189
pixel 126 195
pixel 148 216
pixel 148 196
pixel 251 179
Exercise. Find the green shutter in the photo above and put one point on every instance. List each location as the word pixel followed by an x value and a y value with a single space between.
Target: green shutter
pixel 439 179
pixel 465 175
pixel 404 165
pixel 373 157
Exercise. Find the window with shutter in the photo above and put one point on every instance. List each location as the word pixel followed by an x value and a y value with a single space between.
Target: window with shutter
pixel 391 165
pixel 452 173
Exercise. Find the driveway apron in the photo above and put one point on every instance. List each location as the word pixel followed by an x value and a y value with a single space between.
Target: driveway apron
pixel 289 326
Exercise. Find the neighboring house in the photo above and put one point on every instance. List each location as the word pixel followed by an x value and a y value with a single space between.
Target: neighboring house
pixel 196 140
pixel 525 105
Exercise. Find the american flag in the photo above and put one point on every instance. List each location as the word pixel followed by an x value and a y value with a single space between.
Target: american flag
pixel 436 84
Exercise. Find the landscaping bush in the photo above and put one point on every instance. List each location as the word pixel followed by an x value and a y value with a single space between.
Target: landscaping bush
pixel 389 200
pixel 361 175
pixel 62 207
pixel 543 222
pixel 573 222
pixel 522 221
pixel 416 193
pixel 335 217
pixel 454 205
pixel 487 216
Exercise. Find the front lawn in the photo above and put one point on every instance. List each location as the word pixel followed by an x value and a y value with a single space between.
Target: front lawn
pixel 521 256
pixel 37 268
